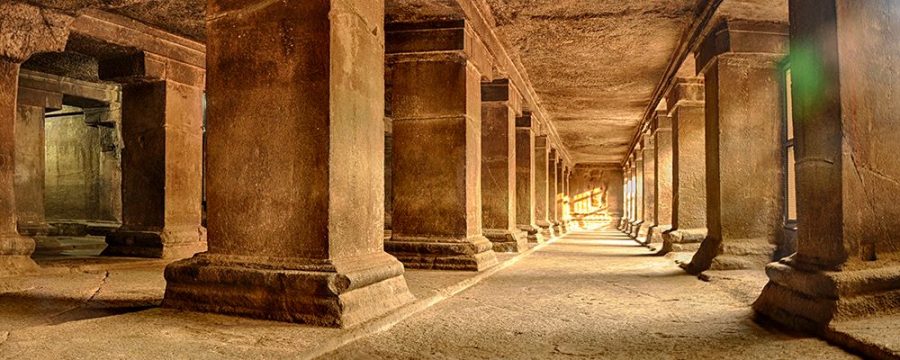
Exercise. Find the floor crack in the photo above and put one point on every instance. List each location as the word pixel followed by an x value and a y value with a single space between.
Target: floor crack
pixel 96 292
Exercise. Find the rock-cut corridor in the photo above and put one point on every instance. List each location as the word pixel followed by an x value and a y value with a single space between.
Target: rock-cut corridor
pixel 586 295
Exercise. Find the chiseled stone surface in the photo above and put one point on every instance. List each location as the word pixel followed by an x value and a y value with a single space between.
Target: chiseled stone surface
pixel 499 108
pixel 743 145
pixel 437 209
pixel 847 264
pixel 596 196
pixel 542 186
pixel 526 171
pixel 663 199
pixel 649 181
pixel 295 186
pixel 686 105
pixel 31 219
pixel 162 124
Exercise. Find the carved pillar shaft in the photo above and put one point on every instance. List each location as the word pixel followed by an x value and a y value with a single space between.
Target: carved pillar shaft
pixel 744 162
pixel 499 108
pixel 437 219
pixel 295 167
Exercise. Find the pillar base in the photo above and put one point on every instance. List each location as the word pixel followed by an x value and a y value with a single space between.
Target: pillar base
pixel 167 244
pixel 15 255
pixel 623 224
pixel 810 300
pixel 533 233
pixel 471 254
pixel 507 240
pixel 682 240
pixel 336 293
pixel 547 231
pixel 656 233
pixel 35 229
pixel 626 227
pixel 635 229
pixel 739 254
pixel 557 229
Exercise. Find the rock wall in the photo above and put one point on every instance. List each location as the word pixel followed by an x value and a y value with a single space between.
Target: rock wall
pixel 596 196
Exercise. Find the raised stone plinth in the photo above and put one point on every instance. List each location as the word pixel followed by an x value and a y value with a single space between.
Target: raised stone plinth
pixel 338 293
pixel 170 243
pixel 810 299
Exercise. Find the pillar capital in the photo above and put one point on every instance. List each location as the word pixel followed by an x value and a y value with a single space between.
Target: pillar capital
pixel 501 92
pixel 686 92
pixel 733 36
pixel 453 40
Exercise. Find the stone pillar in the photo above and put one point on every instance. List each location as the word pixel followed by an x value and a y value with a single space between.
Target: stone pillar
pixel 542 186
pixel 499 108
pixel 388 179
pixel 844 86
pixel 553 199
pixel 30 167
pixel 686 108
pixel 662 125
pixel 637 169
pixel 162 160
pixel 639 208
pixel 526 171
pixel 740 62
pixel 648 201
pixel 567 199
pixel 436 107
pixel 626 196
pixel 295 167
pixel 27 31
pixel 15 250
pixel 614 201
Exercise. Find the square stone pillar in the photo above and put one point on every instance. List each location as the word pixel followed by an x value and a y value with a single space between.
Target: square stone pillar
pixel 295 167
pixel 499 108
pixel 566 199
pixel 436 73
pixel 28 31
pixel 162 160
pixel 662 138
pixel 542 186
pixel 15 250
pixel 844 98
pixel 626 196
pixel 686 108
pixel 744 176
pixel 648 201
pixel 526 171
pixel 638 203
pixel 388 179
pixel 553 198
pixel 30 166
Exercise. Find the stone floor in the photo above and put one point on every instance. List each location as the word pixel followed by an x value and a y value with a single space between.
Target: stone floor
pixel 588 295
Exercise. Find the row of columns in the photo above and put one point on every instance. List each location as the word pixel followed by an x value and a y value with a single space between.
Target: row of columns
pixel 727 158
pixel 295 161
pixel 709 169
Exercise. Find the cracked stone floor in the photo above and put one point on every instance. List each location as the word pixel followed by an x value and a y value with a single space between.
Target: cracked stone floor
pixel 588 295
